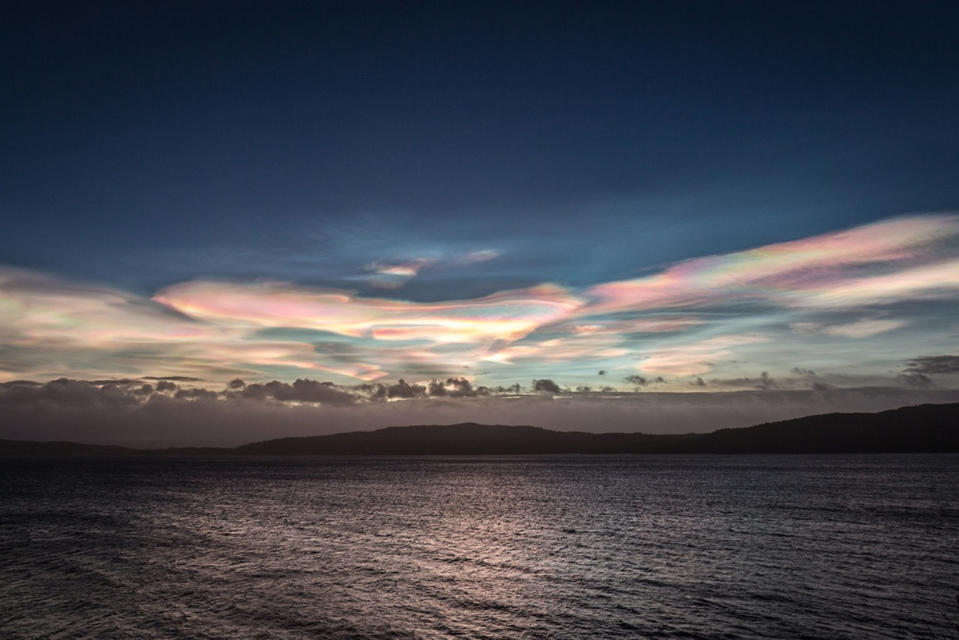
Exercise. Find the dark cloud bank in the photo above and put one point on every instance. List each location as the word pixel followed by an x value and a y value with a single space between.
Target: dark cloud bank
pixel 163 413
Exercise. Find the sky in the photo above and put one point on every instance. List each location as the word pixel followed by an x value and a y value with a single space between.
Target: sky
pixel 665 217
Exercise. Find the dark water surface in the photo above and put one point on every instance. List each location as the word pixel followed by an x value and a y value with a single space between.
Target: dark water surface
pixel 511 547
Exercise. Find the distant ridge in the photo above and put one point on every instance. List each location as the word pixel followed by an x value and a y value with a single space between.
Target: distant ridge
pixel 923 428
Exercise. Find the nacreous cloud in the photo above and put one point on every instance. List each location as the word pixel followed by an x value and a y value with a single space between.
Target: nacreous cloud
pixel 510 315
pixel 854 303
pixel 882 262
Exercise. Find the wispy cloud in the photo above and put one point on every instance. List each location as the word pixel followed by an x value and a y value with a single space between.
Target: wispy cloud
pixel 696 357
pixel 773 304
pixel 475 257
pixel 937 280
pixel 858 329
pixel 393 274
pixel 882 262
pixel 123 411
pixel 509 315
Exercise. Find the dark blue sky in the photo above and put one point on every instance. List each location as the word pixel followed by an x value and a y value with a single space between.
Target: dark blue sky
pixel 150 143
pixel 710 196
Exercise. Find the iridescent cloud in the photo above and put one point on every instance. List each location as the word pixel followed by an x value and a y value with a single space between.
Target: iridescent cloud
pixel 393 275
pixel 888 260
pixel 696 357
pixel 781 305
pixel 475 257
pixel 509 315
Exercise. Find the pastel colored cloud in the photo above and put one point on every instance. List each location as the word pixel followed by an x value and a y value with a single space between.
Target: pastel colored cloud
pixel 393 275
pixel 763 307
pixel 664 324
pixel 509 315
pixel 696 357
pixel 557 350
pixel 937 280
pixel 880 262
pixel 408 269
pixel 36 307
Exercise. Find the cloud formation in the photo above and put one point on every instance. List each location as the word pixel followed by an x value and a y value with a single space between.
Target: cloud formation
pixel 839 269
pixel 853 302
pixel 109 413
pixel 858 329
pixel 935 364
pixel 695 357
pixel 393 274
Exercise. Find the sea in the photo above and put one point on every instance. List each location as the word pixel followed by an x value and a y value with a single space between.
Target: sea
pixel 836 546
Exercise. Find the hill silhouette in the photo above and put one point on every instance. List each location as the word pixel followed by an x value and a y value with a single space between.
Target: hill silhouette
pixel 924 428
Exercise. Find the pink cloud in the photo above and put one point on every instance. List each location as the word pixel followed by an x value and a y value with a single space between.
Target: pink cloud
pixel 213 329
pixel 938 280
pixel 813 271
pixel 509 315
pixel 697 357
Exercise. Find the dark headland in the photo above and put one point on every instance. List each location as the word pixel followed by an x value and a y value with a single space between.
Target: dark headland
pixel 924 428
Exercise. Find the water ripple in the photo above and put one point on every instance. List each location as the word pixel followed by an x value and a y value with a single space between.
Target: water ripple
pixel 512 547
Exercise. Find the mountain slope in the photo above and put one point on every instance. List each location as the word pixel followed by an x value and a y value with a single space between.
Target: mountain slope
pixel 921 428
pixel 924 428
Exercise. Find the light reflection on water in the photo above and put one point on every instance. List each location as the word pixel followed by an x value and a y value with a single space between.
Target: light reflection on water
pixel 551 547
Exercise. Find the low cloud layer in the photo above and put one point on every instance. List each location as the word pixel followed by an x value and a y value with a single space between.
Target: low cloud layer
pixel 934 364
pixel 136 413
